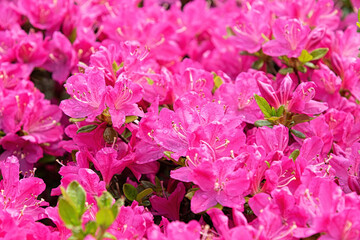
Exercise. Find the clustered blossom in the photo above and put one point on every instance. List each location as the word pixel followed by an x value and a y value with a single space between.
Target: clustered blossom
pixel 235 119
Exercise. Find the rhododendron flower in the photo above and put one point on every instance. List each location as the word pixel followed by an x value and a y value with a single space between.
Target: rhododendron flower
pixel 87 178
pixel 19 197
pixel 44 14
pixel 122 100
pixel 88 93
pixel 27 152
pixel 252 27
pixel 247 111
pixel 290 38
pixel 169 206
pixel 107 163
pixel 30 50
pixel 299 101
pixel 175 230
pixel 132 222
pixel 62 57
pixel 239 97
pixel 219 182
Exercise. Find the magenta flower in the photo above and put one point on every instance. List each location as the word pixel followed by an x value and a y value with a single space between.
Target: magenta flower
pixel 132 222
pixel 251 27
pixel 169 206
pixel 88 95
pixel 27 152
pixel 62 57
pixel 175 230
pixel 122 100
pixel 19 197
pixel 30 51
pixel 239 97
pixel 219 182
pixel 107 163
pixel 297 101
pixel 87 178
pixel 46 15
pixel 290 38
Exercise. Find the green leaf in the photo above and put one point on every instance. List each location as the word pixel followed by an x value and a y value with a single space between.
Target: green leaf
pixel 263 105
pixel 105 217
pixel 109 235
pixel 115 208
pixel 285 71
pixel 273 119
pixel 310 65
pixel 261 123
pixel 294 154
pixel 302 69
pixel 297 134
pixel 73 35
pixel 149 81
pixel 229 31
pixel 301 118
pixel 74 120
pixel 217 82
pixel 305 56
pixel 147 184
pixel 146 203
pixel 78 232
pixel 280 111
pixel 258 64
pixel 218 206
pixel 91 227
pixel 129 191
pixel 130 119
pixel 273 111
pixel 319 53
pixel 168 153
pixel 68 214
pixel 86 129
pixel 116 67
pixel 268 164
pixel 143 194
pixel 77 195
pixel 105 200
pixel 189 195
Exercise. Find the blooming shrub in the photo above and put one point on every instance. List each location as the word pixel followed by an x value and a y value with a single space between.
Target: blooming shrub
pixel 149 119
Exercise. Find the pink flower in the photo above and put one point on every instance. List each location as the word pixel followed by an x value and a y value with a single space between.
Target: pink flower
pixel 88 95
pixel 107 163
pixel 46 15
pixel 62 58
pixel 297 101
pixel 219 182
pixel 251 28
pixel 239 97
pixel 272 139
pixel 176 230
pixel 27 152
pixel 19 197
pixel 193 79
pixel 30 50
pixel 290 38
pixel 122 100
pixel 132 222
pixel 86 177
pixel 169 206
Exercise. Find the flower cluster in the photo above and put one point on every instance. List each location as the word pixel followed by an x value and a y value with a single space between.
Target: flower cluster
pixel 171 119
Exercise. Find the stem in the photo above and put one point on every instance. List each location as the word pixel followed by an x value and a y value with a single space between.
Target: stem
pixel 100 233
